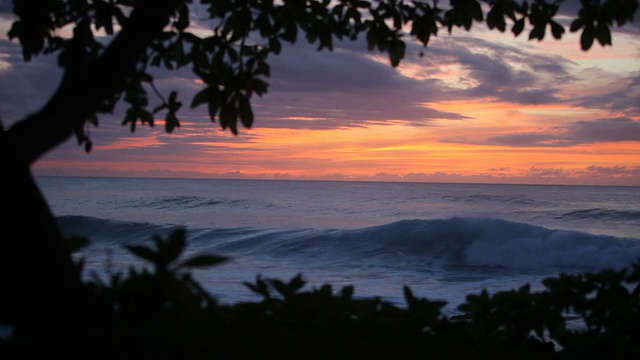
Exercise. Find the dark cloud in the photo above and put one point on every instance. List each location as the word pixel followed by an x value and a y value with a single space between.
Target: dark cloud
pixel 344 88
pixel 492 72
pixel 547 172
pixel 607 130
pixel 581 132
pixel 348 88
pixel 595 175
pixel 530 140
pixel 25 86
pixel 531 97
pixel 303 68
pixel 505 73
pixel 351 88
pixel 611 171
pixel 6 8
pixel 504 168
pixel 625 98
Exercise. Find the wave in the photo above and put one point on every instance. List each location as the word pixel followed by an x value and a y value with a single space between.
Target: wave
pixel 601 214
pixel 504 199
pixel 454 243
pixel 108 231
pixel 183 202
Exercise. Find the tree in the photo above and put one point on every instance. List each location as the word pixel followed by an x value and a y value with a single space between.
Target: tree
pixel 232 63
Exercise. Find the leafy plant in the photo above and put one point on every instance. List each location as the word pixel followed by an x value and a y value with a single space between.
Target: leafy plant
pixel 163 312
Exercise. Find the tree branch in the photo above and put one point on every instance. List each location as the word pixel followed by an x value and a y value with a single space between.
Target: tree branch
pixel 83 90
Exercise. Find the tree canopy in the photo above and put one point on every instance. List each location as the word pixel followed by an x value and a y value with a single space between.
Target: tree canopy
pixel 114 43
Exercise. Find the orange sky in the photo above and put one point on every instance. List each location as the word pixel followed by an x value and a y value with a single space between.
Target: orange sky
pixel 487 108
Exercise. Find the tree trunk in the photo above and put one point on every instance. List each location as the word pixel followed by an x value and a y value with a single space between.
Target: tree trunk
pixel 40 287
pixel 40 290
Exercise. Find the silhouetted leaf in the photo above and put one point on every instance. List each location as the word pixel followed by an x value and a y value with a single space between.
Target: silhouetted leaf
pixel 212 107
pixel 144 77
pixel 87 145
pixel 281 287
pixel 297 283
pixel 142 252
pixel 347 292
pixel 145 116
pixel 290 33
pixel 326 290
pixel 228 118
pixel 518 27
pixel 260 287
pixel 258 86
pixel 408 296
pixel 586 40
pixel 245 112
pixel 275 45
pixel 495 19
pixel 174 246
pixel 171 122
pixel 556 30
pixel 576 25
pixel 396 51
pixel 603 34
pixel 183 17
pixel 537 33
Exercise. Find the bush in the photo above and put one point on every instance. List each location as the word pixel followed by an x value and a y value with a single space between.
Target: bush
pixel 163 312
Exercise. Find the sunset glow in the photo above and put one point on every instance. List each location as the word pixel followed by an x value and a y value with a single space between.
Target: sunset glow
pixel 476 107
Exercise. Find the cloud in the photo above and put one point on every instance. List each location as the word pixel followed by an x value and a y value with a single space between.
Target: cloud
pixel 591 175
pixel 530 140
pixel 503 73
pixel 356 90
pixel 547 172
pixel 503 168
pixel 596 175
pixel 25 86
pixel 606 130
pixel 350 87
pixel 530 97
pixel 624 99
pixel 581 132
pixel 343 89
pixel 611 171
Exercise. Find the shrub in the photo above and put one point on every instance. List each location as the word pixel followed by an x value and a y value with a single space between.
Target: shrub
pixel 163 312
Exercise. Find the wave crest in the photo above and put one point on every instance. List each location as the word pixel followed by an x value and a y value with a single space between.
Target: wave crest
pixel 432 243
pixel 484 242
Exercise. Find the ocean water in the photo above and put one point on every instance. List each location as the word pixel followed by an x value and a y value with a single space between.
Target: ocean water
pixel 442 240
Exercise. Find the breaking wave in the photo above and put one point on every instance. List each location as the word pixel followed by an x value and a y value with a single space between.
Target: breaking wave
pixel 470 243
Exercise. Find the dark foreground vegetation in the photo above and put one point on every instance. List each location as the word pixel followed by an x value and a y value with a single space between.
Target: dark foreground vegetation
pixel 162 312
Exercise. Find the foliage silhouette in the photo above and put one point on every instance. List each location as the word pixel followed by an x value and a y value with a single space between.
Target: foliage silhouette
pixel 232 60
pixel 163 312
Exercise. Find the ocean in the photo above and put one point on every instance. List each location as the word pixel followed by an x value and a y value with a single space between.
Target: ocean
pixel 443 240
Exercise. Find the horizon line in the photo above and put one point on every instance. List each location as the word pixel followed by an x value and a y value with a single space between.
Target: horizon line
pixel 309 179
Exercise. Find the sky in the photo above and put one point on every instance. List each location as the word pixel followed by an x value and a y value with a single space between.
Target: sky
pixel 479 106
